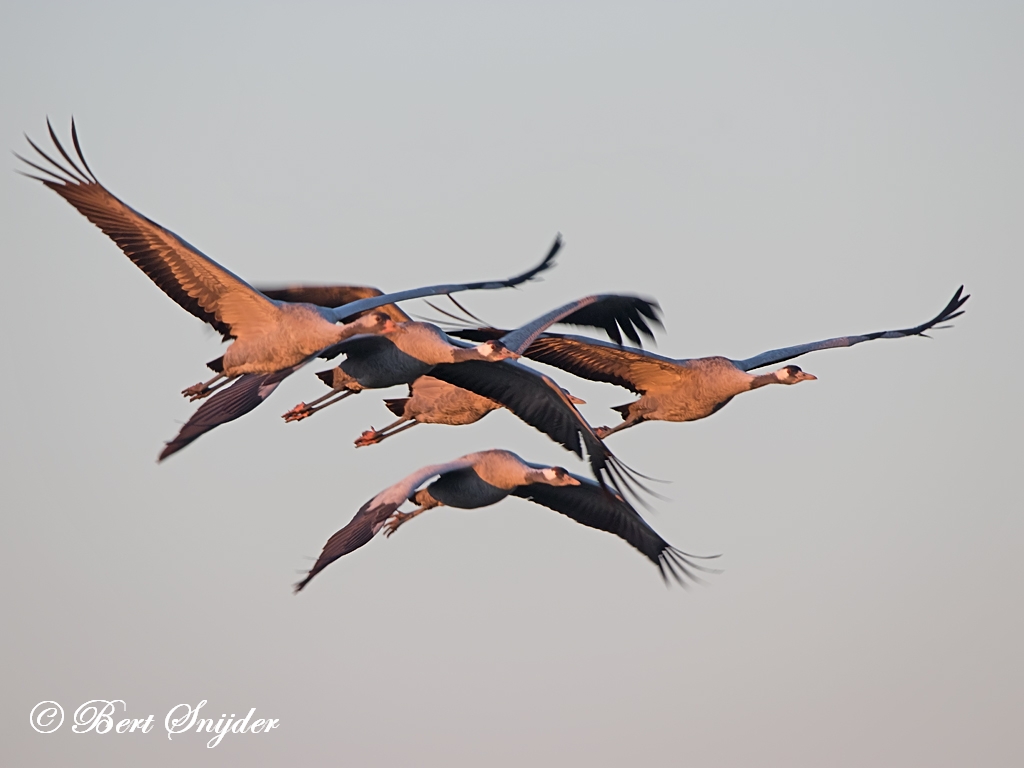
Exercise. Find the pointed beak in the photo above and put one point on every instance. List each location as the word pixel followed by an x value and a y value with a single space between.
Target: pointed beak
pixel 573 480
pixel 574 400
pixel 805 376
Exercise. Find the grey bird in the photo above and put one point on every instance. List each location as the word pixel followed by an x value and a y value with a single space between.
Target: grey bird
pixel 485 478
pixel 269 335
pixel 687 389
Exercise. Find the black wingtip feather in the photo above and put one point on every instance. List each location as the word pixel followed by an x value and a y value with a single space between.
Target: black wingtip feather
pixel 78 150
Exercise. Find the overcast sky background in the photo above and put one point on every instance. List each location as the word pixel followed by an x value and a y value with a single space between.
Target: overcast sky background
pixel 771 175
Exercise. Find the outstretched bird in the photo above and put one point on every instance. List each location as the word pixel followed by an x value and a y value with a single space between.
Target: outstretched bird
pixel 686 389
pixel 481 479
pixel 269 335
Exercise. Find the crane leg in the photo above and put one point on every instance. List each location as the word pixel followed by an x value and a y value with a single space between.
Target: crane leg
pixel 205 388
pixel 603 432
pixel 373 436
pixel 304 410
pixel 400 518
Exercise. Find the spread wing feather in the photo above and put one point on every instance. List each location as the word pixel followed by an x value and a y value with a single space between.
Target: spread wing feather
pixel 228 404
pixel 636 370
pixel 374 513
pixel 951 310
pixel 590 505
pixel 542 404
pixel 609 312
pixel 200 285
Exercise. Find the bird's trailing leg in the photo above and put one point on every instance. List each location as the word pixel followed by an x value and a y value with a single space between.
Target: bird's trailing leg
pixel 398 519
pixel 304 410
pixel 603 432
pixel 206 388
pixel 373 436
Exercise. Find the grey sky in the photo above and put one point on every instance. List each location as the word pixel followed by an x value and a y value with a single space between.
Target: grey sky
pixel 773 175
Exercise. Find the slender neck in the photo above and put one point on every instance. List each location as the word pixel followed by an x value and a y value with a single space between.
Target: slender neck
pixel 764 379
pixel 462 354
pixel 359 325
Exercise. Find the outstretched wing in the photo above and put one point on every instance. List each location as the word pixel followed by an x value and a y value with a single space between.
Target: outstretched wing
pixel 636 370
pixel 773 356
pixel 362 305
pixel 228 404
pixel 200 285
pixel 590 505
pixel 542 404
pixel 374 513
pixel 610 312
pixel 333 296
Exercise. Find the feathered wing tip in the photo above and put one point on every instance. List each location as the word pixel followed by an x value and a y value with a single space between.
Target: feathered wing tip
pixel 626 477
pixel 949 312
pixel 628 320
pixel 681 566
pixel 63 175
pixel 546 264
pixel 224 405
pixel 358 532
pixel 456 321
pixel 610 470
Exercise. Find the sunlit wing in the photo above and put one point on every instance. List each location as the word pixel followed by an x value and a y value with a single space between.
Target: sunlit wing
pixel 373 514
pixel 197 283
pixel 774 356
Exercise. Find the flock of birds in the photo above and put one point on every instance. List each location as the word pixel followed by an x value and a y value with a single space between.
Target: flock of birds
pixel 455 377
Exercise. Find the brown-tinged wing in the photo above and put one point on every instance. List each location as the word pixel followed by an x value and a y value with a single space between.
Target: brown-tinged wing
pixel 200 285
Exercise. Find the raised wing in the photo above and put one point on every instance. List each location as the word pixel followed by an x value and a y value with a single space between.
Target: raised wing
pixel 542 404
pixel 590 505
pixel 374 513
pixel 363 305
pixel 200 285
pixel 773 356
pixel 610 312
pixel 333 296
pixel 228 404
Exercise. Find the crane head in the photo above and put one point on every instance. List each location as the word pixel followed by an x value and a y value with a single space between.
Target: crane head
pixel 793 374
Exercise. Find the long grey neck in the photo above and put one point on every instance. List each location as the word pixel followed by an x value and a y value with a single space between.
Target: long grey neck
pixel 763 380
pixel 462 354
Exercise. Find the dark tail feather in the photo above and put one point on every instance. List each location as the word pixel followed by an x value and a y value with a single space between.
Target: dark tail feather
pixel 217 366
pixel 327 377
pixel 623 409
pixel 397 405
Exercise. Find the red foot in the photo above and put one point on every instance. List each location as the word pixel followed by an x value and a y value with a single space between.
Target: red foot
pixel 298 413
pixel 369 437
pixel 195 392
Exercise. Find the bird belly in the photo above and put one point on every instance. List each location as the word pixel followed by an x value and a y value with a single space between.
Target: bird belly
pixel 689 404
pixel 465 490
pixel 295 337
pixel 465 409
pixel 384 370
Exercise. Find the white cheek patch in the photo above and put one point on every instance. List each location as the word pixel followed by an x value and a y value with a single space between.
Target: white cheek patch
pixel 550 474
